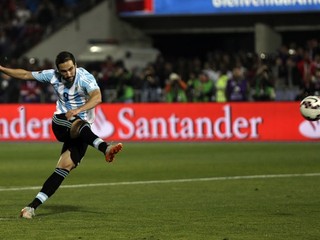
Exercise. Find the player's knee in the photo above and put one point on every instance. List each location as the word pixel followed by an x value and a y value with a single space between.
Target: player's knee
pixel 75 128
pixel 65 161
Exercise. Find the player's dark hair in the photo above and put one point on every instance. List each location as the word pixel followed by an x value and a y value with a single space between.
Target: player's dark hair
pixel 63 57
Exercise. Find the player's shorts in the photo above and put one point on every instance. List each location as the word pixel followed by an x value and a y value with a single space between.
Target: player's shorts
pixel 61 129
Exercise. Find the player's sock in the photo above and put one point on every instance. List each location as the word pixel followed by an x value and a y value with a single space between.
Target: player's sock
pixel 90 138
pixel 49 187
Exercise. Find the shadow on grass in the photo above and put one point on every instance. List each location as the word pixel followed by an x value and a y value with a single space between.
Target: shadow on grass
pixel 59 208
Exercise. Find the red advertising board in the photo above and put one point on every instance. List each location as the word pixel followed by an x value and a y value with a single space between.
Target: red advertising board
pixel 273 121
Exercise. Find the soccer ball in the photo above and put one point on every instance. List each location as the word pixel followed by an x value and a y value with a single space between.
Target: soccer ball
pixel 310 108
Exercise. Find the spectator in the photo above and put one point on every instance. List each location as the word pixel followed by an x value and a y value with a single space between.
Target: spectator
pixel 211 69
pixel 306 67
pixel 221 84
pixel 311 86
pixel 23 14
pixel 315 80
pixel 317 60
pixel 190 92
pixel 160 69
pixel 313 47
pixel 4 43
pixel 107 68
pixel 9 89
pixel 45 15
pixel 292 80
pixel 30 92
pixel 278 71
pixel 167 70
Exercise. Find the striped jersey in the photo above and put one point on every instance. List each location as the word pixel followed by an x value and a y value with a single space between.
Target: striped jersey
pixel 70 97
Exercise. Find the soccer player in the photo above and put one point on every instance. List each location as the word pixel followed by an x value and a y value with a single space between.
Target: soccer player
pixel 78 94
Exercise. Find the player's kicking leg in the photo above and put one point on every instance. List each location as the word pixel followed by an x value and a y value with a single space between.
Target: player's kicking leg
pixel 83 130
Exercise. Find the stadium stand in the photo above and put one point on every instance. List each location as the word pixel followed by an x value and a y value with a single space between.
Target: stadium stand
pixel 25 23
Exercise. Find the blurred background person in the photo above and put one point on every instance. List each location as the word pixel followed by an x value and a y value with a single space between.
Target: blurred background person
pixel 311 85
pixel 278 69
pixel 150 85
pixel 175 90
pixel 292 80
pixel 306 67
pixel 315 80
pixel 221 84
pixel 237 86
pixel 104 77
pixel 263 85
pixel 9 89
pixel 30 92
pixel 124 86
pixel 201 88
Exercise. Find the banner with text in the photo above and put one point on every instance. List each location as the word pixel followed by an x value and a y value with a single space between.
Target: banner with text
pixel 185 7
pixel 170 122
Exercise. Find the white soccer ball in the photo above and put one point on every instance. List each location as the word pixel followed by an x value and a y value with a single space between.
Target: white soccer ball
pixel 310 108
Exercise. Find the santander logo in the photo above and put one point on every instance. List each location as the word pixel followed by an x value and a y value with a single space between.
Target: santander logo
pixel 310 129
pixel 101 126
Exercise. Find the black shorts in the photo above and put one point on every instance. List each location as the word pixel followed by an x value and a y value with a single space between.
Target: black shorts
pixel 61 129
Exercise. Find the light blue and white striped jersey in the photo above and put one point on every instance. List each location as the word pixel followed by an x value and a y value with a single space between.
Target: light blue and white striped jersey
pixel 70 97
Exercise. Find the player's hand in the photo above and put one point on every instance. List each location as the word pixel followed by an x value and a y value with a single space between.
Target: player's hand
pixel 71 113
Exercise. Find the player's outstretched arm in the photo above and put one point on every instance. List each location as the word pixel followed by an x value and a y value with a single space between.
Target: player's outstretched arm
pixel 17 73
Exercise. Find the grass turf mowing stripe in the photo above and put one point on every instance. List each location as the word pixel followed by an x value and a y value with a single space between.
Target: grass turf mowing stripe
pixel 172 181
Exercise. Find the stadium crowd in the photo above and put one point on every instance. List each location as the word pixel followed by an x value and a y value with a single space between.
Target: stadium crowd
pixel 286 75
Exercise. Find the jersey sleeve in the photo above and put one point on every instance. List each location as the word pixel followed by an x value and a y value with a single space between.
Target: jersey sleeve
pixel 43 76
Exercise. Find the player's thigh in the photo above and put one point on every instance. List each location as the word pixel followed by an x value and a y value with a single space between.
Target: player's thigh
pixel 61 127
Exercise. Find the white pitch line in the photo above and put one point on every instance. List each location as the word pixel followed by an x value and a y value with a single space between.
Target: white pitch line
pixel 171 181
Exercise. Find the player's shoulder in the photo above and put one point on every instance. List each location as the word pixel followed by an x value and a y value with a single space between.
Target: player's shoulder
pixel 84 75
pixel 83 71
pixel 86 79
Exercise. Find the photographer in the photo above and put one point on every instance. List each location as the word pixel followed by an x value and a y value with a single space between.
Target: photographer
pixel 201 88
pixel 150 86
pixel 175 89
pixel 263 85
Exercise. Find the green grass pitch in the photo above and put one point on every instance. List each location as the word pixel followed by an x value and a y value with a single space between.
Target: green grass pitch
pixel 187 191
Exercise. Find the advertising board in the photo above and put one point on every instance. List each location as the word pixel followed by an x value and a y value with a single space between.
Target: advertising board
pixel 209 122
pixel 196 7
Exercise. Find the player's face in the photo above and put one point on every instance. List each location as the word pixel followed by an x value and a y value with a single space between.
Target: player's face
pixel 67 70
